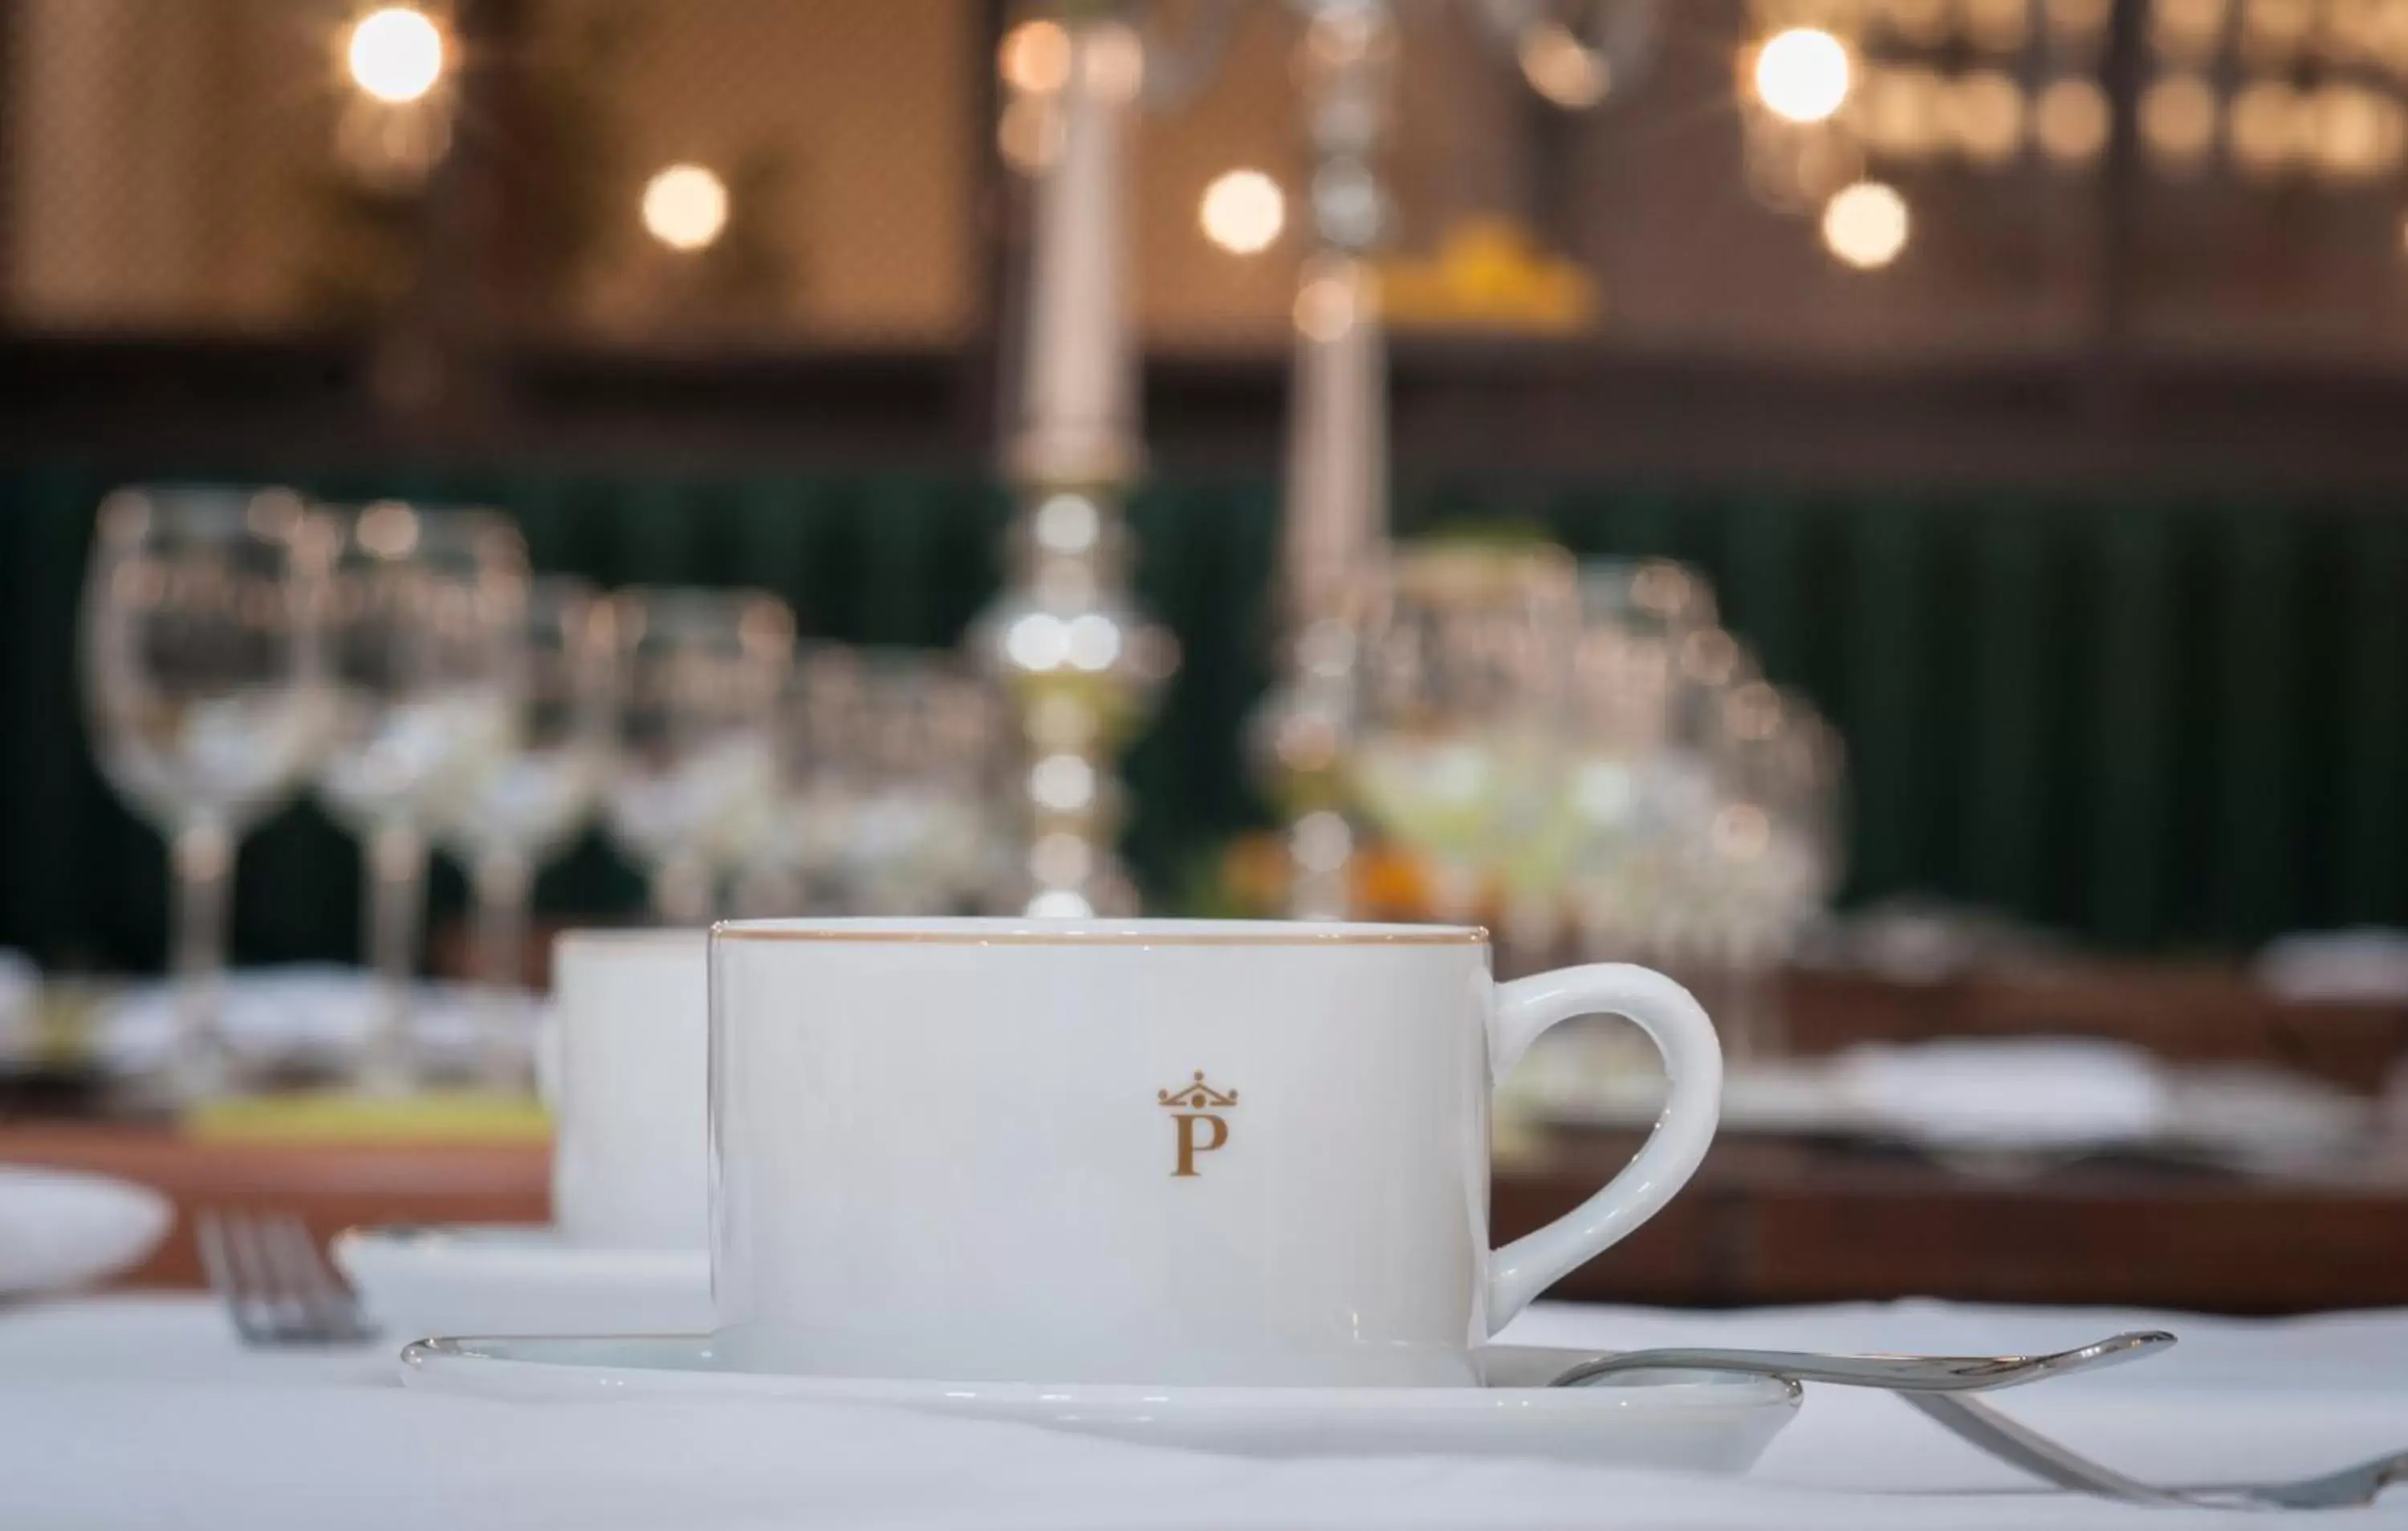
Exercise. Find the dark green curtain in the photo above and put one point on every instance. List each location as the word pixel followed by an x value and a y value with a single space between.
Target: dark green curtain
pixel 2153 723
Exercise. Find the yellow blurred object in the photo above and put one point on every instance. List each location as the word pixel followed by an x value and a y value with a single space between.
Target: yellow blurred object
pixel 1389 884
pixel 333 1116
pixel 1489 274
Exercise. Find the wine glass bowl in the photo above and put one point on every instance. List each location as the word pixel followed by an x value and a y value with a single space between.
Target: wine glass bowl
pixel 421 631
pixel 529 797
pixel 424 631
pixel 1461 682
pixel 199 651
pixel 921 763
pixel 697 784
pixel 202 670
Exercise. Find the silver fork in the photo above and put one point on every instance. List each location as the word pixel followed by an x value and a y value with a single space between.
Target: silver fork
pixel 276 1288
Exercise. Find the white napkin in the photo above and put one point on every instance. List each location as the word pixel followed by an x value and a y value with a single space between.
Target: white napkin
pixel 305 1015
pixel 2037 1093
pixel 61 1229
pixel 2366 964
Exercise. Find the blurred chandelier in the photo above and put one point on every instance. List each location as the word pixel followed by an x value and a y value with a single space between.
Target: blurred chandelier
pixel 2271 92
pixel 2278 90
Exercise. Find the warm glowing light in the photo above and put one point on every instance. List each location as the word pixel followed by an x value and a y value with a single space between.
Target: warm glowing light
pixel 2072 121
pixel 1985 116
pixel 1111 61
pixel 2356 133
pixel 1329 305
pixel 1865 224
pixel 388 529
pixel 2178 118
pixel 1034 56
pixel 1559 67
pixel 1243 211
pixel 2390 39
pixel 2264 127
pixel 685 207
pixel 2189 29
pixel 2075 20
pixel 2358 28
pixel 396 54
pixel 2000 26
pixel 1029 134
pixel 2270 30
pixel 1923 22
pixel 1802 74
pixel 1898 112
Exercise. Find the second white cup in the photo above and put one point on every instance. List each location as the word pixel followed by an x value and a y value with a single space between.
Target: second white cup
pixel 629 1088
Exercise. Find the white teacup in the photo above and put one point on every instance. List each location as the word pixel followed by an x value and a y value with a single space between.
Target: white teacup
pixel 631 1136
pixel 1145 1150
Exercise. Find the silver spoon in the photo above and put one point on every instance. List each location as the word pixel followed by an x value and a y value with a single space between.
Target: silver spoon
pixel 1896 1373
pixel 1937 1384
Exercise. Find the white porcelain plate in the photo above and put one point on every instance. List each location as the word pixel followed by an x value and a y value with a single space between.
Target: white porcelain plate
pixel 61 1229
pixel 1694 1421
pixel 502 1279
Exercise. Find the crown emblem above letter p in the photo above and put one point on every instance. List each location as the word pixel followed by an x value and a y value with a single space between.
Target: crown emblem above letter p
pixel 1197 1108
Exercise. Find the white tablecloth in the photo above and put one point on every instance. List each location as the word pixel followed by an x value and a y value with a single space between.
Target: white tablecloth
pixel 141 1413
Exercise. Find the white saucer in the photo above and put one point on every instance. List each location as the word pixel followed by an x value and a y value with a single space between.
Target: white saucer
pixel 500 1280
pixel 1694 1421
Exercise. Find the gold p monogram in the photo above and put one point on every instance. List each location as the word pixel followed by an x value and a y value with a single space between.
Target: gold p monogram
pixel 1194 1107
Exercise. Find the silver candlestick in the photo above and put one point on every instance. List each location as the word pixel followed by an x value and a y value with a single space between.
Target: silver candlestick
pixel 1082 660
pixel 1080 663
pixel 1338 447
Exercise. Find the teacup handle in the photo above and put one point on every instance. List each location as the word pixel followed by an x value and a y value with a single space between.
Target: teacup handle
pixel 1692 1058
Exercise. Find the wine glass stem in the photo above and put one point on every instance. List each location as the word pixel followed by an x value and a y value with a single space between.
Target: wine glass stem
pixel 397 866
pixel 202 856
pixel 505 881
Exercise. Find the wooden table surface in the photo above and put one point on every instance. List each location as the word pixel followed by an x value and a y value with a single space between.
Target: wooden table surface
pixel 1767 1220
pixel 1778 1221
pixel 331 1187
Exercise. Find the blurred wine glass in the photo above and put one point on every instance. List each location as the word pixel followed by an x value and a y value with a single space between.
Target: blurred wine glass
pixel 1766 866
pixel 1637 625
pixel 1682 793
pixel 202 666
pixel 426 623
pixel 922 767
pixel 1299 742
pixel 1465 659
pixel 695 788
pixel 892 787
pixel 530 796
